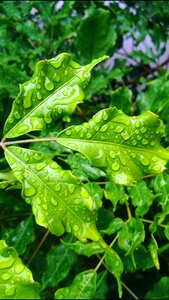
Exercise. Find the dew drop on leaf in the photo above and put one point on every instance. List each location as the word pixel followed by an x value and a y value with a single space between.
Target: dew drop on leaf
pixel 56 78
pixel 112 154
pixel 40 166
pixel 75 228
pixel 115 166
pixel 139 137
pixel 49 86
pixel 38 156
pixel 19 151
pixel 119 129
pixel 154 158
pixel 26 157
pixel 143 129
pixel 29 190
pixel 39 96
pixel 38 86
pixel 104 128
pixel 68 132
pixel 88 135
pixel 144 142
pixel 58 187
pixel 17 115
pixel 125 135
pixel 84 193
pixel 71 188
pixel 144 160
pixel 38 201
pixel 19 268
pixel 54 202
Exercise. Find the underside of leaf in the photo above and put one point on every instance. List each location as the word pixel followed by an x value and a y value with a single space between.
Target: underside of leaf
pixel 59 201
pixel 127 148
pixel 55 88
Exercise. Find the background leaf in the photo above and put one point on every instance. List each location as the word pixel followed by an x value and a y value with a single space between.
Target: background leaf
pixel 159 290
pixel 16 279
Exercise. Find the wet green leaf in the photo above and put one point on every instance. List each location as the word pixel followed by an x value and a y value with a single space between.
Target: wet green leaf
pixel 87 249
pixel 153 247
pixel 160 290
pixel 131 236
pixel 96 35
pixel 125 147
pixel 59 201
pixel 115 225
pixel 56 87
pixel 21 236
pixel 82 287
pixel 142 197
pixel 59 261
pixel 115 266
pixel 115 193
pixel 16 281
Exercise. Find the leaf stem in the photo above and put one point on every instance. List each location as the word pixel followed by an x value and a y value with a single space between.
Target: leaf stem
pixel 128 211
pixel 48 139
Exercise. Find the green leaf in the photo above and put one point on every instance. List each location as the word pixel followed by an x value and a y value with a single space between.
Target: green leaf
pixel 55 88
pixel 96 35
pixel 59 201
pixel 115 225
pixel 87 249
pixel 115 266
pixel 142 197
pixel 125 147
pixel 122 99
pixel 59 261
pixel 160 290
pixel 115 193
pixel 131 236
pixel 82 287
pixel 21 236
pixel 153 247
pixel 16 281
pixel 101 286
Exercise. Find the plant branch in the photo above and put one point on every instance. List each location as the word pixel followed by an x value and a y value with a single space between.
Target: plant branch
pixel 48 139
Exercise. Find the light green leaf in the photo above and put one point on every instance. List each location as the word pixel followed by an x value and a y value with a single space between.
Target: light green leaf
pixel 153 247
pixel 115 225
pixel 59 261
pixel 160 290
pixel 59 201
pixel 101 286
pixel 82 287
pixel 55 88
pixel 115 193
pixel 125 147
pixel 142 197
pixel 96 35
pixel 131 236
pixel 87 249
pixel 16 281
pixel 115 266
pixel 20 236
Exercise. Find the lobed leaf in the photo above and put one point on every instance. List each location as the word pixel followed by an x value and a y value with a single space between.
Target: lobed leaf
pixel 16 281
pixel 127 148
pixel 55 88
pixel 59 201
pixel 82 287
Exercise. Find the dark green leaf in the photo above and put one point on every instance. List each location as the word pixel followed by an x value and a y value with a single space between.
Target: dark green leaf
pixel 115 193
pixel 101 286
pixel 160 290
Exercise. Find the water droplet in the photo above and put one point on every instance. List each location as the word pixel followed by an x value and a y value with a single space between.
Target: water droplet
pixel 133 155
pixel 88 135
pixel 144 142
pixel 38 156
pixel 112 154
pixel 66 72
pixel 56 78
pixel 143 129
pixel 96 127
pixel 144 160
pixel 54 165
pixel 77 128
pixel 17 115
pixel 38 86
pixel 42 73
pixel 48 118
pixel 18 150
pixel 26 157
pixel 134 142
pixel 154 158
pixel 115 166
pixel 58 187
pixel 139 137
pixel 104 128
pixel 40 166
pixel 75 228
pixel 45 207
pixel 59 110
pixel 65 92
pixel 49 86
pixel 81 135
pixel 125 135
pixel 39 96
pixel 68 132
pixel 54 202
pixel 84 193
pixel 29 190
pixel 10 120
pixel 6 276
pixel 71 188
pixel 152 143
pixel 119 129
pixel 138 124
pixel 22 129
pixel 19 268
pixel 122 160
pixel 105 116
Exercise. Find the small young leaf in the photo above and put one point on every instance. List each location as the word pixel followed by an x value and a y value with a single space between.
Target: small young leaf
pixel 126 147
pixel 21 236
pixel 82 287
pixel 115 225
pixel 160 290
pixel 16 281
pixel 56 87
pixel 153 247
pixel 142 197
pixel 59 201
pixel 121 98
pixel 115 266
pixel 115 193
pixel 86 249
pixel 59 260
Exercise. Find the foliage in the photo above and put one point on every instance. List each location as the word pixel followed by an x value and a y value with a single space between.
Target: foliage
pixel 84 160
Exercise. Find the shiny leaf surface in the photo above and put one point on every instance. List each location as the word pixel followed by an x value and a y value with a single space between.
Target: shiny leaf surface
pixel 55 88
pixel 58 200
pixel 82 287
pixel 16 281
pixel 127 148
